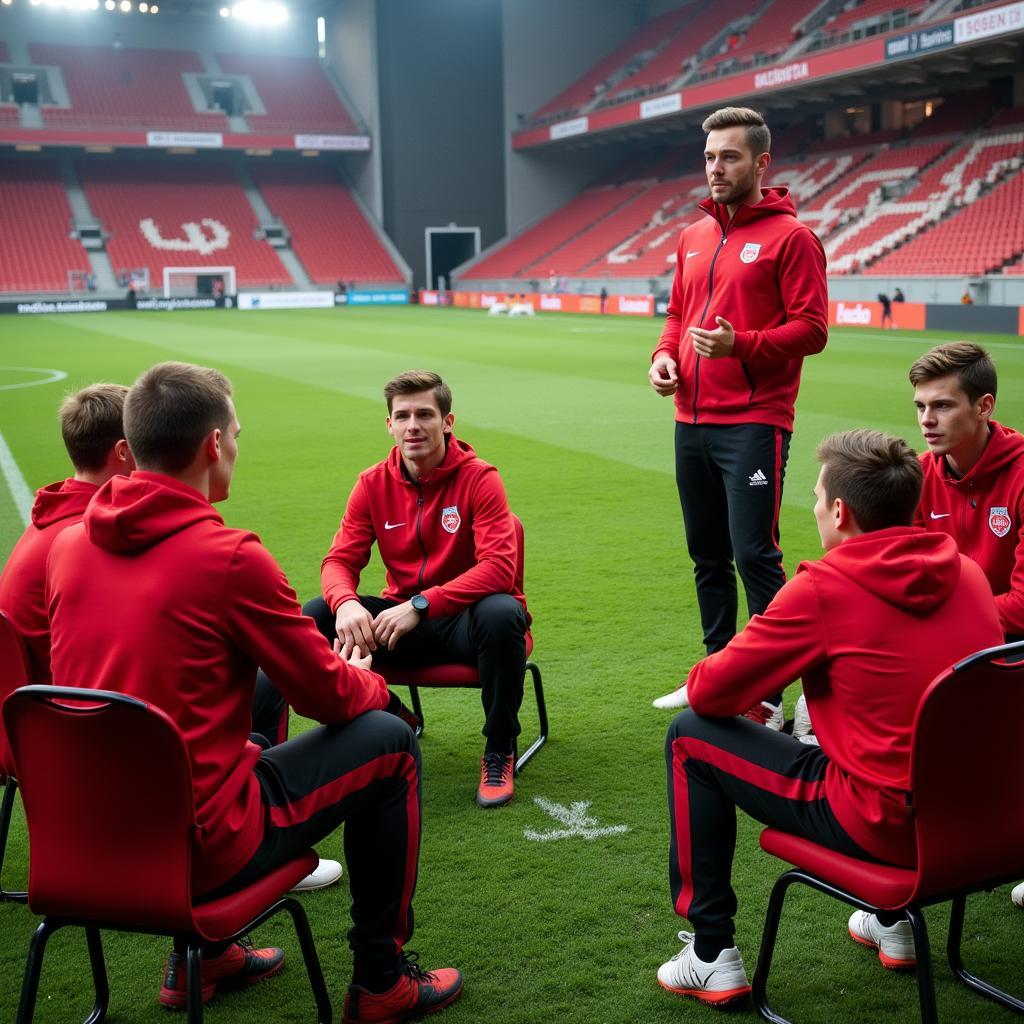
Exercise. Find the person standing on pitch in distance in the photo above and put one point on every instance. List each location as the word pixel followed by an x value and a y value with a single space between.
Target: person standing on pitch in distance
pixel 749 301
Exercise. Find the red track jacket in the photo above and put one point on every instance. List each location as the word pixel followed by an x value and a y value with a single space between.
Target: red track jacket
pixel 983 512
pixel 867 627
pixel 450 536
pixel 764 272
pixel 23 580
pixel 155 597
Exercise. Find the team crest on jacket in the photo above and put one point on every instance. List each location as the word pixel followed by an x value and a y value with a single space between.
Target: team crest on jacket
pixel 999 520
pixel 451 520
pixel 750 252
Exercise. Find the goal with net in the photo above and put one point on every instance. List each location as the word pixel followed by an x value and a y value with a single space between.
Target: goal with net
pixel 193 281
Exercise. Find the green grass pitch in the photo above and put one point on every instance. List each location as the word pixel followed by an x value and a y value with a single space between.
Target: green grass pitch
pixel 572 930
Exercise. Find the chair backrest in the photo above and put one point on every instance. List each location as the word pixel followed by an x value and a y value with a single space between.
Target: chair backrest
pixel 14 672
pixel 967 773
pixel 107 790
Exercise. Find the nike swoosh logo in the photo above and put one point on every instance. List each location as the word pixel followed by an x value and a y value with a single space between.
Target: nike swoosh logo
pixel 391 526
pixel 689 254
pixel 940 515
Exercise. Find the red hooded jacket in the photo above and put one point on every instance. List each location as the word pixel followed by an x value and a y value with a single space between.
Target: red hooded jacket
pixel 867 627
pixel 23 580
pixel 983 512
pixel 763 272
pixel 155 597
pixel 449 536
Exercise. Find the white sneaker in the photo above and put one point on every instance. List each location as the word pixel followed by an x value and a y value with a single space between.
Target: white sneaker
pixel 326 873
pixel 719 982
pixel 675 700
pixel 768 715
pixel 1018 895
pixel 895 944
pixel 803 730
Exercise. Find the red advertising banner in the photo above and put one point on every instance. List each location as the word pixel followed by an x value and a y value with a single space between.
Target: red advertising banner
pixel 908 316
pixel 616 305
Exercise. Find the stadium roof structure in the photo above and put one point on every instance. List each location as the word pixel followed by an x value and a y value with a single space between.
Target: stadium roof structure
pixel 921 58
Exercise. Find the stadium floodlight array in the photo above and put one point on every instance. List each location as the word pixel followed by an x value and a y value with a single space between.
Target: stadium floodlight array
pixel 184 281
pixel 259 12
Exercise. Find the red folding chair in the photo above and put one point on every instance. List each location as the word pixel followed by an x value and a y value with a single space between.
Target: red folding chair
pixel 455 674
pixel 965 786
pixel 14 672
pixel 107 777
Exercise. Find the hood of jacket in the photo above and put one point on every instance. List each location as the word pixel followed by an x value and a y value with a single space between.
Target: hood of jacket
pixel 61 500
pixel 132 513
pixel 774 199
pixel 905 566
pixel 1004 447
pixel 457 454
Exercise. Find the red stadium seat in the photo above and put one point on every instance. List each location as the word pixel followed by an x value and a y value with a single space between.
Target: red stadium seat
pixel 90 761
pixel 969 836
pixel 14 672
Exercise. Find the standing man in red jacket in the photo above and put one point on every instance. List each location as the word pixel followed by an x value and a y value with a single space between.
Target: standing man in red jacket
pixel 93 433
pixel 867 627
pixel 441 522
pixel 153 568
pixel 973 470
pixel 749 301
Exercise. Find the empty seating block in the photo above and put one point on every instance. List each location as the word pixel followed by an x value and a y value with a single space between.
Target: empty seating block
pixel 178 213
pixel 870 11
pixel 295 91
pixel 126 88
pixel 35 219
pixel 765 39
pixel 330 235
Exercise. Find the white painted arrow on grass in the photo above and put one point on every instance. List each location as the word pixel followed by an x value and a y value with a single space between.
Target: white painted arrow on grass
pixel 576 821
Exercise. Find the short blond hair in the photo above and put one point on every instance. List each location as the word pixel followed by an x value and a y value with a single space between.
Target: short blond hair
pixel 759 138
pixel 91 423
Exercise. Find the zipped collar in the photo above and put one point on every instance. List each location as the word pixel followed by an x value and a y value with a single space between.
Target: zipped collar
pixel 775 199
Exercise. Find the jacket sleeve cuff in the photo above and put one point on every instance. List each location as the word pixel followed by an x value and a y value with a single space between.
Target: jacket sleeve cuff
pixel 438 602
pixel 336 600
pixel 742 344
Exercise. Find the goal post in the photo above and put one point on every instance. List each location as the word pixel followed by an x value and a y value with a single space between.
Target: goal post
pixel 193 281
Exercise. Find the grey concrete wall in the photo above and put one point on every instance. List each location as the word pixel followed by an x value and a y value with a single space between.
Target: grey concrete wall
pixel 547 46
pixel 442 131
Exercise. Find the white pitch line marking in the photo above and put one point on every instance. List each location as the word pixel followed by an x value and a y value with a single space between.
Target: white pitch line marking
pixel 52 377
pixel 20 492
pixel 576 821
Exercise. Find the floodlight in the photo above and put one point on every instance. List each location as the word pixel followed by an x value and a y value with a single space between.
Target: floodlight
pixel 264 12
pixel 143 7
pixel 109 4
pixel 154 8
pixel 125 5
pixel 225 12
pixel 7 3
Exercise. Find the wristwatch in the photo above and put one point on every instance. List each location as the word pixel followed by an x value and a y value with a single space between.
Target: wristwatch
pixel 421 604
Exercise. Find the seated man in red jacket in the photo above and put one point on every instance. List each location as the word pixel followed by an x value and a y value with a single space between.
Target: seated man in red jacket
pixel 442 525
pixel 93 432
pixel 867 627
pixel 152 567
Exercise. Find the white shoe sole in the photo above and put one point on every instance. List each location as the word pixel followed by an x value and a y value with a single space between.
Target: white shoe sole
pixel 326 874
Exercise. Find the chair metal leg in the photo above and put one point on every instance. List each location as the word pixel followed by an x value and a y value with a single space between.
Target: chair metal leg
pixel 414 696
pixel 194 981
pixel 33 965
pixel 542 714
pixel 925 981
pixel 759 986
pixel 99 976
pixel 324 1010
pixel 10 787
pixel 953 954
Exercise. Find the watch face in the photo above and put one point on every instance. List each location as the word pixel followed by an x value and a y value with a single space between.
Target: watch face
pixel 420 603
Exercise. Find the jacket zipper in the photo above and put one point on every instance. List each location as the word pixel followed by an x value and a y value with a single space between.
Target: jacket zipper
pixel 419 535
pixel 711 275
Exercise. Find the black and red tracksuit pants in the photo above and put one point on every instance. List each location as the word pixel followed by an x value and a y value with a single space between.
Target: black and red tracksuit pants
pixel 730 488
pixel 715 765
pixel 365 774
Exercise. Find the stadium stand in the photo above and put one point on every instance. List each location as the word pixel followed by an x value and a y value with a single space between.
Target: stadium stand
pixel 36 253
pixel 868 18
pixel 125 88
pixel 180 213
pixel 330 234
pixel 706 22
pixel 536 243
pixel 768 37
pixel 296 93
pixel 599 78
